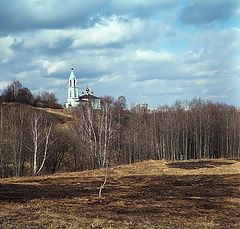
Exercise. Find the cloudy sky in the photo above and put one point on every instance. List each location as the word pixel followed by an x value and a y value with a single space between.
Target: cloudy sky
pixel 150 51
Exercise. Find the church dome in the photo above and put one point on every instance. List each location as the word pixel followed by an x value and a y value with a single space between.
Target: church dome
pixel 72 75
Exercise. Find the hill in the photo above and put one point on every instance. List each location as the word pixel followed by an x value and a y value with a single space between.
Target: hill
pixel 62 115
pixel 151 194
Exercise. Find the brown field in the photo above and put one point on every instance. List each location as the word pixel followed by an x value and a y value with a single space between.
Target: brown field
pixel 153 194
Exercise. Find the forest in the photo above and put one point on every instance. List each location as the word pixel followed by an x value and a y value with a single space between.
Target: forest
pixel 38 140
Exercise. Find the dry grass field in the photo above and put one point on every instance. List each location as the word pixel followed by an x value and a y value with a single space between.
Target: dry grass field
pixel 152 194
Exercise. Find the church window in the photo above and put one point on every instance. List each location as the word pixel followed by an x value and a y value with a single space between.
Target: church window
pixel 70 83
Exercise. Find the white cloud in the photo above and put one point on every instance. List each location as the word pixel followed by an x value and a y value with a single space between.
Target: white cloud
pixel 153 56
pixel 52 66
pixel 3 84
pixel 108 32
pixel 6 54
pixel 113 30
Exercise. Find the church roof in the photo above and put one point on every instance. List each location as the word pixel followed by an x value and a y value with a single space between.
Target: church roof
pixel 88 97
pixel 72 75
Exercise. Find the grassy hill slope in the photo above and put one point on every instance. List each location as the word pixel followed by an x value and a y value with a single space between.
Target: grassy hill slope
pixel 62 115
pixel 152 194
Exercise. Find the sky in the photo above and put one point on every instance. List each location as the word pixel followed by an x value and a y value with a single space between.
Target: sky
pixel 150 51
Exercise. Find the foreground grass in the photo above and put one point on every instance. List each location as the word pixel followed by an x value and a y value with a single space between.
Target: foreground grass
pixel 153 194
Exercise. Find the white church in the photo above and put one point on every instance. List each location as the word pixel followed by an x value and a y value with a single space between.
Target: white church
pixel 73 98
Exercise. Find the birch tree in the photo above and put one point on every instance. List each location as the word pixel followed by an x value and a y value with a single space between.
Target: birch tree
pixel 96 128
pixel 41 142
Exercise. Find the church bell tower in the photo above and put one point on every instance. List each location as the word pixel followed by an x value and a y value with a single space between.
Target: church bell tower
pixel 73 98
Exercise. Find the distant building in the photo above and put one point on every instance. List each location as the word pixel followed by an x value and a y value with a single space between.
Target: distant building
pixel 74 100
pixel 90 98
pixel 140 107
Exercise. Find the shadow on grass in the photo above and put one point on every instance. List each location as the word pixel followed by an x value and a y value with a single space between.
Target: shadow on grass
pixel 23 193
pixel 129 188
pixel 197 164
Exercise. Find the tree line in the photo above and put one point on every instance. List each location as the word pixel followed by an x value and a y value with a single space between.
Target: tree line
pixel 34 141
pixel 15 92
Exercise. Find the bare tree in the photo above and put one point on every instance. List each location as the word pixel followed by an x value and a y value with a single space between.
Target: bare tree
pixel 97 128
pixel 41 142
